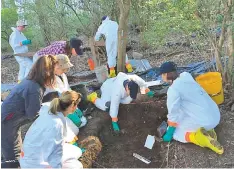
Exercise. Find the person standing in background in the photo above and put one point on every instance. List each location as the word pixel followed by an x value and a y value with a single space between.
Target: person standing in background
pixel 19 44
pixel 109 29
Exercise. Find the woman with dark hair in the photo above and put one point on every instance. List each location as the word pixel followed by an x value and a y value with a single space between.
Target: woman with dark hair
pixel 192 114
pixel 23 104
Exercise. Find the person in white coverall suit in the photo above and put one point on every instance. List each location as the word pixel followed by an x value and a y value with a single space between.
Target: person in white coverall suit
pixel 61 85
pixel 109 29
pixel 19 44
pixel 121 89
pixel 44 145
pixel 192 114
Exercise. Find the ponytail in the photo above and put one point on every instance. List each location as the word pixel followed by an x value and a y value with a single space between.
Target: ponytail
pixel 55 106
pixel 64 101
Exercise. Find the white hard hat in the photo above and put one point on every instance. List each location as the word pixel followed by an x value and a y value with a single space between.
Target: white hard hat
pixel 21 23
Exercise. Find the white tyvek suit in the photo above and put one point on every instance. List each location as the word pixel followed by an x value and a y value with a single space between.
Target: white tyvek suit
pixel 71 129
pixel 62 86
pixel 25 63
pixel 114 92
pixel 109 29
pixel 190 107
pixel 44 144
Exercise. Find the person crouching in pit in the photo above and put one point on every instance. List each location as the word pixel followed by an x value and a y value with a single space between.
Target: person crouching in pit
pixel 192 114
pixel 121 89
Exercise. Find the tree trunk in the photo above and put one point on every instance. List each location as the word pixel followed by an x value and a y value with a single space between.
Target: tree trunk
pixel 230 43
pixel 124 6
pixel 3 3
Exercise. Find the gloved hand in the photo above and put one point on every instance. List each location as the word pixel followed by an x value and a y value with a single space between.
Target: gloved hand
pixel 75 117
pixel 129 67
pixel 169 134
pixel 82 149
pixel 150 94
pixel 112 72
pixel 77 145
pixel 115 126
pixel 26 42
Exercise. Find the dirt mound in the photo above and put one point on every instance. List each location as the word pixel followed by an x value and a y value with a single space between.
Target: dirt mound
pixel 136 121
pixel 93 147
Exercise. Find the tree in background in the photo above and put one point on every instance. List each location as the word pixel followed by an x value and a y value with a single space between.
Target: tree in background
pixel 124 6
pixel 9 19
pixel 217 19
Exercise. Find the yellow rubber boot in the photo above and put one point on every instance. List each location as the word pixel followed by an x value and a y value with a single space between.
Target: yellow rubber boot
pixel 112 72
pixel 129 67
pixel 92 97
pixel 212 134
pixel 203 139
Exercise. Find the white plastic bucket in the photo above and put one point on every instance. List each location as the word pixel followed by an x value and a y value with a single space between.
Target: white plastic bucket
pixel 101 73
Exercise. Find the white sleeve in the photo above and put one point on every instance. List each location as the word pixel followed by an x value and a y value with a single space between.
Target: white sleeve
pixel 67 84
pixel 126 100
pixel 55 147
pixel 173 106
pixel 13 41
pixel 98 33
pixel 141 83
pixel 115 101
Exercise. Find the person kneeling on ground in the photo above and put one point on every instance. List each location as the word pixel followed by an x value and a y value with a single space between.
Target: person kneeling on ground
pixel 23 104
pixel 121 89
pixel 192 114
pixel 61 85
pixel 44 144
pixel 76 119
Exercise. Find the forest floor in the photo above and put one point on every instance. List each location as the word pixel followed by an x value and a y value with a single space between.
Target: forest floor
pixel 139 119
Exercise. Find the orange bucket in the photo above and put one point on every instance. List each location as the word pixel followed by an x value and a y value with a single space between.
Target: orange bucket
pixel 211 82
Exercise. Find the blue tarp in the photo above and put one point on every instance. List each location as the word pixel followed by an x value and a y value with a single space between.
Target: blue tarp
pixel 153 73
pixel 193 68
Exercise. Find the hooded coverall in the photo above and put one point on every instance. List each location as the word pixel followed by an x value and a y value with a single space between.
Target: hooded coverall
pixel 62 86
pixel 190 107
pixel 113 91
pixel 44 144
pixel 109 29
pixel 25 63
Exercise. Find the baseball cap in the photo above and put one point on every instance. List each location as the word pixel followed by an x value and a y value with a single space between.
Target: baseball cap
pixel 167 67
pixel 77 45
pixel 64 61
pixel 21 23
pixel 104 17
pixel 133 87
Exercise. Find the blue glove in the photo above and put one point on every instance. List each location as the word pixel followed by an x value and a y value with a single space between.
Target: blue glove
pixel 169 134
pixel 150 94
pixel 26 42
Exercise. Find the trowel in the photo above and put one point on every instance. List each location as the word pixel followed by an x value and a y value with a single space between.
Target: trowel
pixel 161 130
